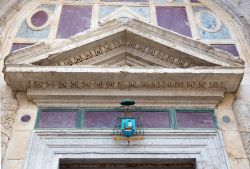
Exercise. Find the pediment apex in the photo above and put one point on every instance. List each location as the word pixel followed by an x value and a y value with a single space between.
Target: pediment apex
pixel 120 29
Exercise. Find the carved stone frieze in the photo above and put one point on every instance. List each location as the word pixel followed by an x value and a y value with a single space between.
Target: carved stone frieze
pixel 139 46
pixel 127 84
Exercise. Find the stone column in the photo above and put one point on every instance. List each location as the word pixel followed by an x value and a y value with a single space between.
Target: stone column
pixel 242 114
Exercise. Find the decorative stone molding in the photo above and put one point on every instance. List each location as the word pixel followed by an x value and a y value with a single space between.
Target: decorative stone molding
pixel 97 97
pixel 48 147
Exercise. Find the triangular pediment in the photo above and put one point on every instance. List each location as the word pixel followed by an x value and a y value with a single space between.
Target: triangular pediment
pixel 147 44
pixel 125 54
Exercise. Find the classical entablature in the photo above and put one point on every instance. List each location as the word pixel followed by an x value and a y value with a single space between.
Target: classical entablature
pixel 124 58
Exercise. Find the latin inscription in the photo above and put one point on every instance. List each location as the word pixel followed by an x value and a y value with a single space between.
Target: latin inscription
pixel 128 84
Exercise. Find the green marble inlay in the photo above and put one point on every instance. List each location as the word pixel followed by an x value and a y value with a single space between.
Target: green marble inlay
pixel 26 32
pixel 143 11
pixel 106 10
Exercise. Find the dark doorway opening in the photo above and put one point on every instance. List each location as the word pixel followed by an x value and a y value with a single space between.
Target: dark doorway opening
pixel 148 163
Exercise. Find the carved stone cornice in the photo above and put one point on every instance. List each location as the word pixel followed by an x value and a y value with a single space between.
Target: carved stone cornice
pixel 23 76
pixel 64 85
pixel 146 97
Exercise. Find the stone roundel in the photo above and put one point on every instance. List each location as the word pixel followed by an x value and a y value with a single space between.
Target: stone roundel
pixel 208 21
pixel 39 19
pixel 226 119
pixel 25 118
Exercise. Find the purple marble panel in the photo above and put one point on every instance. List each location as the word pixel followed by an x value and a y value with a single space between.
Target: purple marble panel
pixel 99 119
pixel 194 1
pixel 58 120
pixel 73 19
pixel 194 120
pixel 17 46
pixel 231 48
pixel 124 0
pixel 173 18
pixel 39 18
pixel 155 119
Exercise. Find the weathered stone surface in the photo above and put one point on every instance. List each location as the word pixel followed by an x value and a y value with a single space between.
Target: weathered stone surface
pixel 246 141
pixel 242 114
pixel 8 107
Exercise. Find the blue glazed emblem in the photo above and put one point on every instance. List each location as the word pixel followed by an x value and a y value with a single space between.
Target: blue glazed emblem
pixel 128 126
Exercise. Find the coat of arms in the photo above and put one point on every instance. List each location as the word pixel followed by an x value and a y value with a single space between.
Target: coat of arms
pixel 128 125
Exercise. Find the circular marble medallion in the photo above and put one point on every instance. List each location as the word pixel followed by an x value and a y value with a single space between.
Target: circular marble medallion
pixel 208 21
pixel 39 19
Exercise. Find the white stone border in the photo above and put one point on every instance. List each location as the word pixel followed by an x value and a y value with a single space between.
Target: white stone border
pixel 46 147
pixel 37 28
pixel 198 21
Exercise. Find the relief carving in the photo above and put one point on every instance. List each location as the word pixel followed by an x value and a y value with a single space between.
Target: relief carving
pixel 8 113
pixel 127 84
pixel 97 51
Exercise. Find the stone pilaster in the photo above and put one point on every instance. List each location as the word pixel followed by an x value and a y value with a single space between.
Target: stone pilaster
pixel 18 144
pixel 8 112
pixel 242 114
